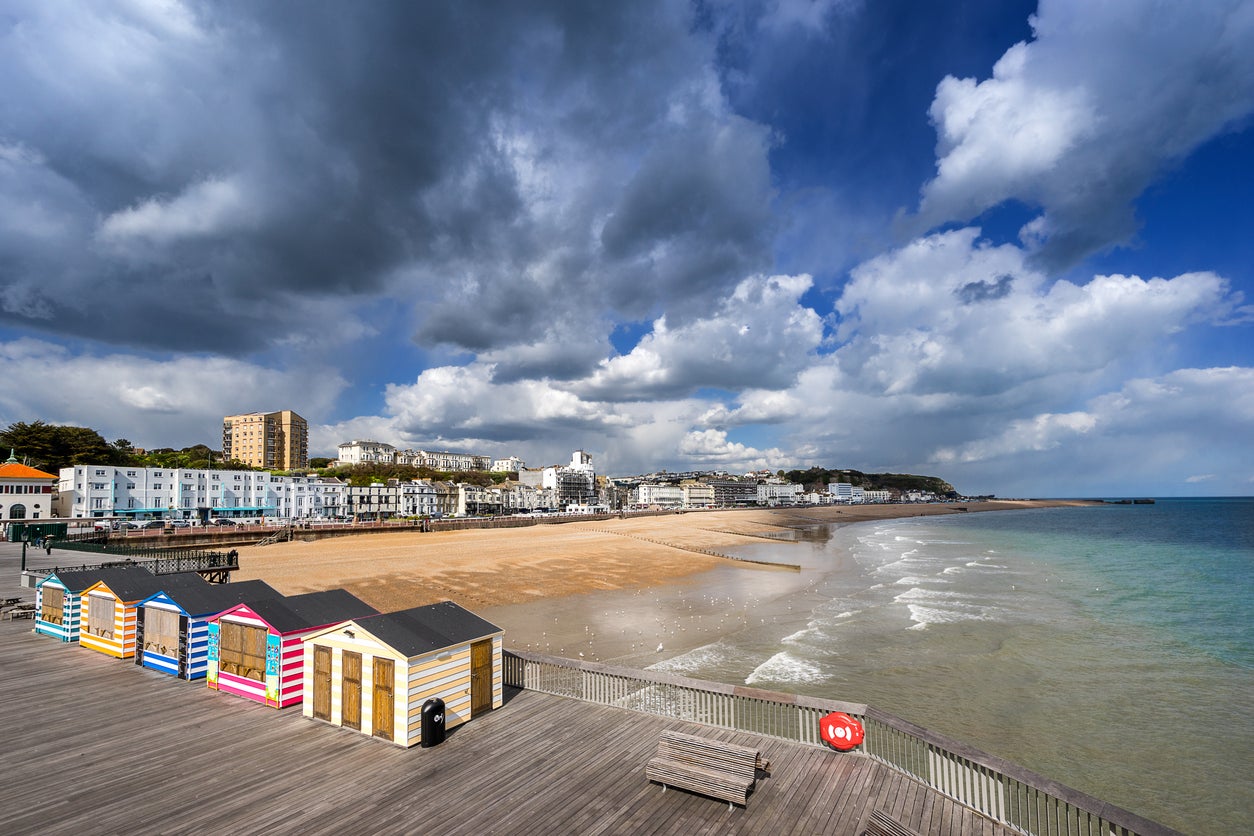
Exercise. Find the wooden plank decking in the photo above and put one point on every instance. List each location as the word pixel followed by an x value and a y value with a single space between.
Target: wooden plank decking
pixel 92 744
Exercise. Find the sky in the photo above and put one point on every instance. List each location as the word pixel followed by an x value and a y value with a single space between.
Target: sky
pixel 1008 244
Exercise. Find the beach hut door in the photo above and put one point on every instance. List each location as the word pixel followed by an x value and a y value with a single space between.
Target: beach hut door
pixel 185 656
pixel 384 704
pixel 322 683
pixel 140 612
pixel 350 690
pixel 480 677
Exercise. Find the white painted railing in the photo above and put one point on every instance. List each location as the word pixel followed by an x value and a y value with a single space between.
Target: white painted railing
pixel 1002 790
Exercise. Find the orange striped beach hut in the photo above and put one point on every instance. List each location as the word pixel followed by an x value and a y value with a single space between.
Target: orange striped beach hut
pixel 110 606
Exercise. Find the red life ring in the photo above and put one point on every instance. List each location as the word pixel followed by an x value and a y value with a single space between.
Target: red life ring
pixel 840 731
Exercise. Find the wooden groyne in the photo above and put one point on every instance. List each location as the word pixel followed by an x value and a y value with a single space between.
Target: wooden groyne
pixel 699 550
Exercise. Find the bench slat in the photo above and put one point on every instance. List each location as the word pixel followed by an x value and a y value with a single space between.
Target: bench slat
pixel 720 770
pixel 882 824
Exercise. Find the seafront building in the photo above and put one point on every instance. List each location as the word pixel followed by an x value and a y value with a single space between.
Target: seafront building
pixel 25 493
pixel 194 494
pixel 143 493
pixel 271 440
pixel 361 451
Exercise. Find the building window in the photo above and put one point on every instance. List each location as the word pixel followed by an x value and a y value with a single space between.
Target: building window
pixel 242 650
pixel 161 631
pixel 100 616
pixel 52 605
pixel 17 512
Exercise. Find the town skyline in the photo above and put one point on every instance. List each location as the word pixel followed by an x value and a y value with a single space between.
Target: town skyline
pixel 1002 242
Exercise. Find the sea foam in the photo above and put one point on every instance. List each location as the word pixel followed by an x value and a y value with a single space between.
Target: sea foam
pixel 785 668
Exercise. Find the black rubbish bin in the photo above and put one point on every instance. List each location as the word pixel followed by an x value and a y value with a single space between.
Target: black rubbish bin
pixel 432 722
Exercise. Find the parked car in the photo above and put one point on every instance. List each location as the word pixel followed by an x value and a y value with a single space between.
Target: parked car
pixel 150 524
pixel 222 521
pixel 180 524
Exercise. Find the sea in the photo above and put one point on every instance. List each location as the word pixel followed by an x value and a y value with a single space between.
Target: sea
pixel 1108 647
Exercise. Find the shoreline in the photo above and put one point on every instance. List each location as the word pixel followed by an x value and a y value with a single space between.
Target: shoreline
pixel 634 590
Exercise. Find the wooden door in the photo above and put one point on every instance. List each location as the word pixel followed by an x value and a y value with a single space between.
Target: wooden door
pixel 384 700
pixel 350 691
pixel 185 655
pixel 140 613
pixel 480 677
pixel 322 683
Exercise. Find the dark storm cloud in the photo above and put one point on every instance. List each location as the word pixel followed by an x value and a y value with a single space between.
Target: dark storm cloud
pixel 212 179
pixel 984 291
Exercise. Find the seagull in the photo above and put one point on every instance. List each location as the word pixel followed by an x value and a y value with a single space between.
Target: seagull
pixel 659 647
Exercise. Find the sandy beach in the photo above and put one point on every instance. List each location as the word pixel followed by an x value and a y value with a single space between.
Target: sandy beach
pixel 626 586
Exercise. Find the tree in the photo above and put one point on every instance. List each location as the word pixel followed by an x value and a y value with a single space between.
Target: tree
pixel 51 447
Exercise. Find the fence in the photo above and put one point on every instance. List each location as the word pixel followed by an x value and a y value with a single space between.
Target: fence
pixel 995 787
pixel 158 560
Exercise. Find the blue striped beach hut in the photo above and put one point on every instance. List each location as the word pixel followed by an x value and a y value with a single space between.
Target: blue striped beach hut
pixel 172 631
pixel 58 598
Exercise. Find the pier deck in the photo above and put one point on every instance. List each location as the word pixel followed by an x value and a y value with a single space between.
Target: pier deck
pixel 93 744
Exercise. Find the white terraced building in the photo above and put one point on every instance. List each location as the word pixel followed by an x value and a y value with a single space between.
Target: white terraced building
pixel 87 491
pixel 361 451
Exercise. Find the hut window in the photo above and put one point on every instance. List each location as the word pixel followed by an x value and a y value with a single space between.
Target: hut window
pixel 52 605
pixel 100 616
pixel 242 650
pixel 161 631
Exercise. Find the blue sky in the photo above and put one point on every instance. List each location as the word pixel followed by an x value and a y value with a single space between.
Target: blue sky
pixel 1004 243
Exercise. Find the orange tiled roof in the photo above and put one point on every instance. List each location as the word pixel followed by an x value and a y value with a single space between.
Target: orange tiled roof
pixel 17 470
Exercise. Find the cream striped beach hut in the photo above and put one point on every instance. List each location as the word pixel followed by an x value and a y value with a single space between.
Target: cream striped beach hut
pixel 373 674
pixel 172 629
pixel 255 648
pixel 111 604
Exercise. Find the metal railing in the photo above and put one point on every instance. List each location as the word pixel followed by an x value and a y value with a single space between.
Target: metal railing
pixel 157 559
pixel 1001 790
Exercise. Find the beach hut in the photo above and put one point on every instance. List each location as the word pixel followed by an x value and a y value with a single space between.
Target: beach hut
pixel 255 648
pixel 172 626
pixel 373 674
pixel 58 604
pixel 110 607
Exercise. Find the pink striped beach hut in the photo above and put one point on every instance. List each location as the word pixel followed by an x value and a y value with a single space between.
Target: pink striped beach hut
pixel 255 649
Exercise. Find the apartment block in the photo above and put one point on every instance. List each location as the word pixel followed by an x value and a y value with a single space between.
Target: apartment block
pixel 272 440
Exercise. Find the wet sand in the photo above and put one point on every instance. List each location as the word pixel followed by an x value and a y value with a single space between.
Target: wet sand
pixel 633 590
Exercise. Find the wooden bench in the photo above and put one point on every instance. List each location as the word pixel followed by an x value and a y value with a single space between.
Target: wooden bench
pixel 882 824
pixel 710 767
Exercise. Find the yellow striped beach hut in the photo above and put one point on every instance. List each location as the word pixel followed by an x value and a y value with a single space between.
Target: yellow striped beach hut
pixel 373 674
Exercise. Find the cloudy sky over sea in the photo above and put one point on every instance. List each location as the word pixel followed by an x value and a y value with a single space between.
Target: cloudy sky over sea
pixel 1007 243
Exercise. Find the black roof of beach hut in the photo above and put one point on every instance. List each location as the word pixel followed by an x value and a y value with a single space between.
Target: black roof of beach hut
pixel 313 609
pixel 128 583
pixel 424 629
pixel 210 598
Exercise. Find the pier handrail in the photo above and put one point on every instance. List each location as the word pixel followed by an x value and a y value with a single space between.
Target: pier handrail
pixel 1000 789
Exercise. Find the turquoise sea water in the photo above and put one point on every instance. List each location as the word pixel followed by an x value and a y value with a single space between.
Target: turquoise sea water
pixel 1110 648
